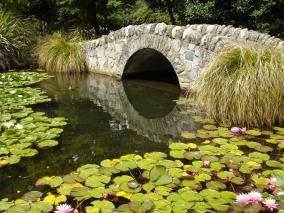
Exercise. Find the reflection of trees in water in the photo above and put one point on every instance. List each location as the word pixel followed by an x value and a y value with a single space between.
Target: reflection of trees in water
pixel 71 86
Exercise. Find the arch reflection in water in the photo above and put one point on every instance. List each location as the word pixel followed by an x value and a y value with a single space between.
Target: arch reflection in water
pixel 143 106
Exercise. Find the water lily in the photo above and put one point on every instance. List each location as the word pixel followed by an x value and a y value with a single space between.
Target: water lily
pixel 270 204
pixel 19 126
pixel 272 183
pixel 63 208
pixel 252 197
pixel 207 164
pixel 255 197
pixel 238 130
pixel 243 198
pixel 280 193
pixel 8 124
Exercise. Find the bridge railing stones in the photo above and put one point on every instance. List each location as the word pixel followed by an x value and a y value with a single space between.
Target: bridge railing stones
pixel 191 33
pixel 188 48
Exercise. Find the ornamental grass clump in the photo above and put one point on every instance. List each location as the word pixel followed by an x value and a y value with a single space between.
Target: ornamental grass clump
pixel 244 85
pixel 59 53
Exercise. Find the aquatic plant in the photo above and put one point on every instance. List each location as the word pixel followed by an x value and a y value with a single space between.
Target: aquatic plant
pixel 243 85
pixel 64 208
pixel 22 131
pixel 240 170
pixel 59 53
pixel 238 131
pixel 270 204
pixel 272 182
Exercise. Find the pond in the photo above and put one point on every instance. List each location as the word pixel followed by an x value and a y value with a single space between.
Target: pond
pixel 106 119
pixel 130 142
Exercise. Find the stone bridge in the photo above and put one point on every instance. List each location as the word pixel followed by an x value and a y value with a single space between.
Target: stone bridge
pixel 154 48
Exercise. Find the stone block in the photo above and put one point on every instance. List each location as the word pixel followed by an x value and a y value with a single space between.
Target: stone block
pixel 177 32
pixel 189 55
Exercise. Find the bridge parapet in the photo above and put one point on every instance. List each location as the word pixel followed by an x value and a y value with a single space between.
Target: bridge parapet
pixel 188 48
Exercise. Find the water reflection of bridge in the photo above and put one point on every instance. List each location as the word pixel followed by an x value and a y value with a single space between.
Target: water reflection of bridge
pixel 136 113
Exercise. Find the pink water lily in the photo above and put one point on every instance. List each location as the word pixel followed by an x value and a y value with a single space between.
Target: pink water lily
pixel 238 130
pixel 252 197
pixel 272 183
pixel 207 164
pixel 63 208
pixel 243 198
pixel 270 204
pixel 255 197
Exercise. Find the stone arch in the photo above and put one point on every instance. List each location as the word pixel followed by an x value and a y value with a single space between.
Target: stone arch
pixel 150 64
pixel 189 49
pixel 168 47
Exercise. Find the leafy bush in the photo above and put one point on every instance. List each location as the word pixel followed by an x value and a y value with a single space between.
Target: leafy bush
pixel 17 35
pixel 59 53
pixel 244 85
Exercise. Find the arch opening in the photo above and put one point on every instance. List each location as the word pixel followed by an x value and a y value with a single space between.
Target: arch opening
pixel 149 64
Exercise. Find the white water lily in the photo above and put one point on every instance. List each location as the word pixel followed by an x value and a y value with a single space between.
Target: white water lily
pixel 19 126
pixel 8 124
pixel 13 91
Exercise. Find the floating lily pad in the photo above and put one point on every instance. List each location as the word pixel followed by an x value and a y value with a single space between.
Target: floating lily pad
pixel 188 135
pixel 253 132
pixel 160 176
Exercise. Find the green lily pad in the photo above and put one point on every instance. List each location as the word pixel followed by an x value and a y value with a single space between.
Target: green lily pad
pixel 274 163
pixel 253 132
pixel 188 135
pixel 31 196
pixel 216 185
pixel 81 193
pixel 47 144
pixel 97 181
pixel 178 146
pixel 100 206
pixel 160 176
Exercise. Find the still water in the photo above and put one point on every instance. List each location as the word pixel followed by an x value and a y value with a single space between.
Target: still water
pixel 106 119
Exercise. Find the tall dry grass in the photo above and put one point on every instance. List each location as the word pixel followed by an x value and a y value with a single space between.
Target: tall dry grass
pixel 59 53
pixel 244 85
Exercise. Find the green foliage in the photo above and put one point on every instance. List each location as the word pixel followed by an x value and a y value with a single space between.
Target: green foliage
pixel 101 16
pixel 142 13
pixel 233 88
pixel 200 12
pixel 17 35
pixel 59 53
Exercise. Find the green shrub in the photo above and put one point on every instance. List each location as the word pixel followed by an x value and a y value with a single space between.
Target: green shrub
pixel 59 53
pixel 244 85
pixel 17 35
